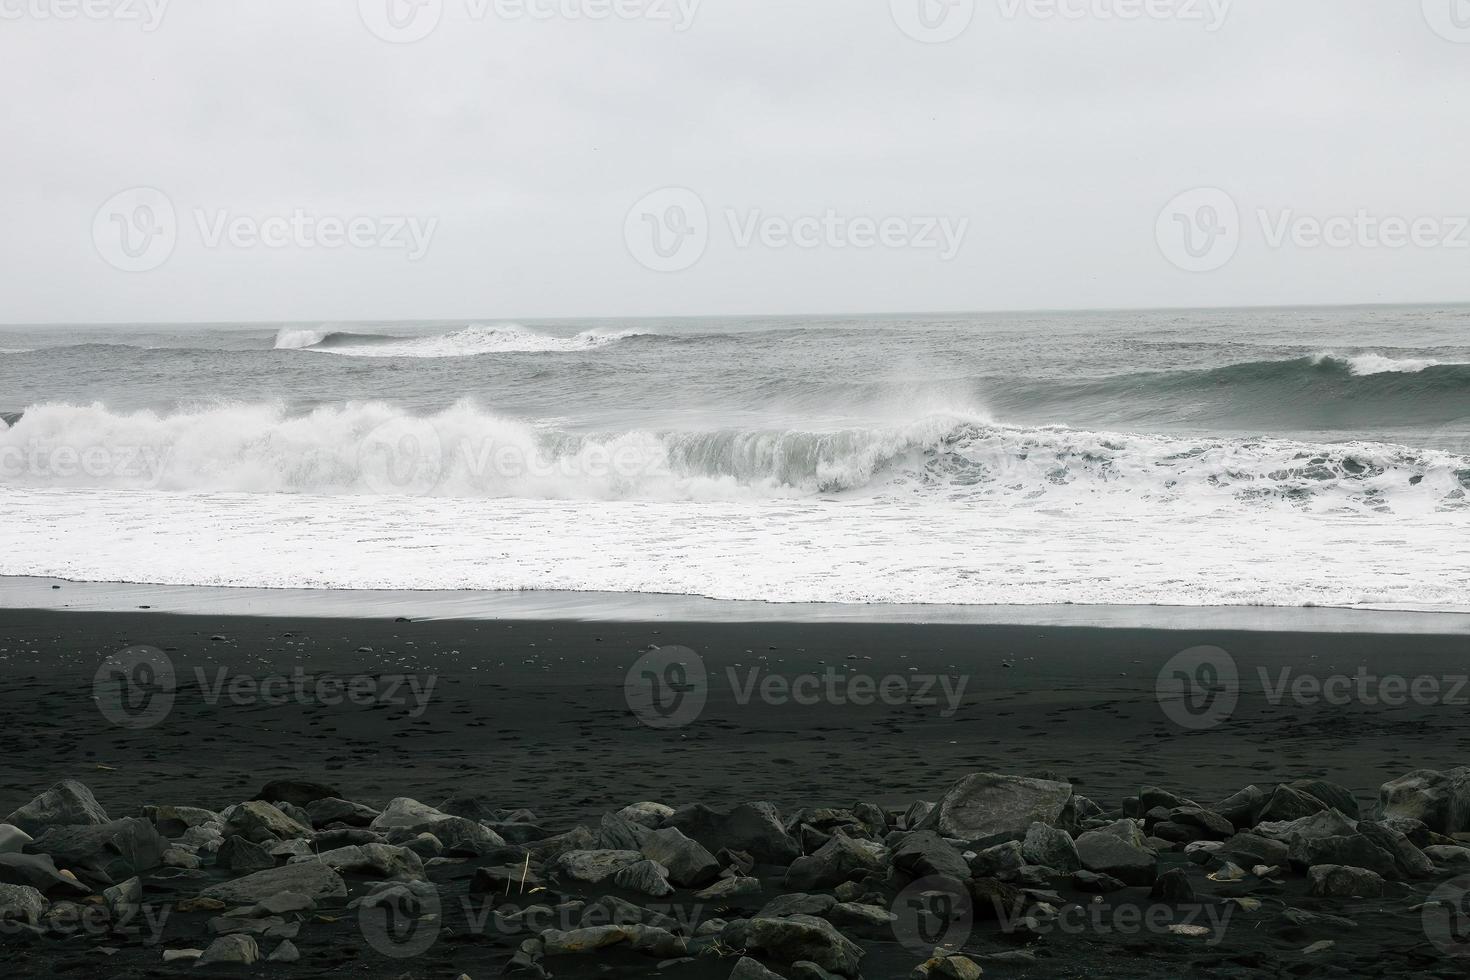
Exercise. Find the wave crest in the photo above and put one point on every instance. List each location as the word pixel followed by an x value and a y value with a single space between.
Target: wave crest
pixel 469 341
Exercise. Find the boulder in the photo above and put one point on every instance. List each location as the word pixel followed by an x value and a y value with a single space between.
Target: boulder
pixel 690 865
pixel 987 807
pixel 1249 850
pixel 235 949
pixel 650 815
pixel 802 937
pixel 755 828
pixel 1108 854
pixel 330 810
pixel 797 903
pixel 1051 848
pixel 859 919
pixel 1207 824
pixel 645 877
pixel 1411 861
pixel 1090 881
pixel 726 889
pixel 1337 881
pixel 1330 794
pixel 612 911
pixel 21 903
pixel 461 836
pixel 175 821
pixel 67 804
pixel 749 969
pixel 239 854
pixel 383 861
pixel 1286 804
pixel 840 859
pixel 1439 800
pixel 262 823
pixel 1241 808
pixel 406 813
pixel 616 833
pixel 591 867
pixel 924 853
pixel 1354 850
pixel 309 878
pixel 104 853
pixel 644 939
pixel 39 872
pixel 12 839
pixel 1000 861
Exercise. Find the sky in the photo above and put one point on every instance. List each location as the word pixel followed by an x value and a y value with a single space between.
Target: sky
pixel 300 160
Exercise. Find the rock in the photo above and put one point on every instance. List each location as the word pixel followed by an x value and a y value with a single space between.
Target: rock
pixel 1411 861
pixel 173 821
pixel 650 815
pixel 590 867
pixel 924 853
pixel 1000 861
pixel 947 968
pixel 1316 920
pixel 122 901
pixel 1051 848
pixel 1321 946
pixel 1205 851
pixel 310 878
pixel 1337 881
pixel 21 903
pixel 285 953
pixel 1323 823
pixel 296 792
pixel 1242 808
pixel 406 813
pixel 1353 850
pixel 728 888
pixel 238 949
pixel 868 921
pixel 1330 794
pixel 239 854
pixel 797 903
pixel 39 872
pixel 1251 849
pixel 1090 881
pixel 1108 854
pixel 1439 800
pixel 755 828
pixel 645 939
pixel 1173 887
pixel 617 834
pixel 374 860
pixel 839 860
pixel 803 937
pixel 1210 825
pixel 182 955
pixel 1288 804
pixel 987 807
pixel 993 900
pixel 330 810
pixel 328 840
pixel 690 865
pixel 646 878
pixel 67 804
pixel 461 836
pixel 612 911
pixel 749 969
pixel 262 823
pixel 104 853
pixel 12 839
pixel 1448 856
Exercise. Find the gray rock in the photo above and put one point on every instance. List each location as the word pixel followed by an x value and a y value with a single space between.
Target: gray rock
pixel 67 804
pixel 122 900
pixel 1287 804
pixel 1242 808
pixel 617 833
pixel 797 903
pixel 1439 800
pixel 1448 856
pixel 332 810
pixel 590 867
pixel 1000 861
pixel 1353 850
pixel 1337 881
pixel 243 950
pixel 285 953
pixel 645 939
pixel 1411 862
pixel 803 937
pixel 755 828
pixel 104 853
pixel 461 836
pixel 12 839
pixel 310 878
pixel 406 813
pixel 840 859
pixel 39 872
pixel 1330 794
pixel 375 860
pixel 173 821
pixel 296 792
pixel 923 853
pixel 262 823
pixel 1210 825
pixel 239 854
pixel 21 903
pixel 1249 850
pixel 1323 823
pixel 990 807
pixel 612 911
pixel 650 815
pixel 690 865
pixel 729 888
pixel 1091 881
pixel 645 877
pixel 858 919
pixel 749 969
pixel 1108 854
pixel 1051 848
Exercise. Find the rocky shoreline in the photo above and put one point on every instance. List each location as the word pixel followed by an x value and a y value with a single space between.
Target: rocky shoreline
pixel 998 875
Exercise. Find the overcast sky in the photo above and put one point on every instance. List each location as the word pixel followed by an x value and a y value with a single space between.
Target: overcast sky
pixel 494 164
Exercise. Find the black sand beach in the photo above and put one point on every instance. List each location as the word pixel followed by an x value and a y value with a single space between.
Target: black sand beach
pixel 534 715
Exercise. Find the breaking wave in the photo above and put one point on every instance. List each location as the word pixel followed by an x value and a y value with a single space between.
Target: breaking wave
pixel 466 342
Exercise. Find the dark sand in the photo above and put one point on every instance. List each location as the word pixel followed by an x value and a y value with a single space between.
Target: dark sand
pixel 532 714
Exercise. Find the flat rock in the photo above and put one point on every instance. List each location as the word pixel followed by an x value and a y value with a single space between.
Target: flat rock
pixel 310 878
pixel 728 888
pixel 591 867
pixel 991 807
pixel 66 804
pixel 1337 881
pixel 645 939
pixel 797 903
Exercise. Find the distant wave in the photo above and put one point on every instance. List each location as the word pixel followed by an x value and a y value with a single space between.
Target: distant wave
pixel 466 342
pixel 375 448
pixel 1367 364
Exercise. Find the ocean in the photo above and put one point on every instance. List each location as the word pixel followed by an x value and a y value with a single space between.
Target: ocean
pixel 1281 457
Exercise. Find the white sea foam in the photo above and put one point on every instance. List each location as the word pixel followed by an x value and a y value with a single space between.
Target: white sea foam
pixel 506 338
pixel 1370 363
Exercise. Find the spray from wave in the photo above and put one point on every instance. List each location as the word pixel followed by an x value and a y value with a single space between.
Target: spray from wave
pixel 467 342
pixel 943 458
pixel 1363 365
